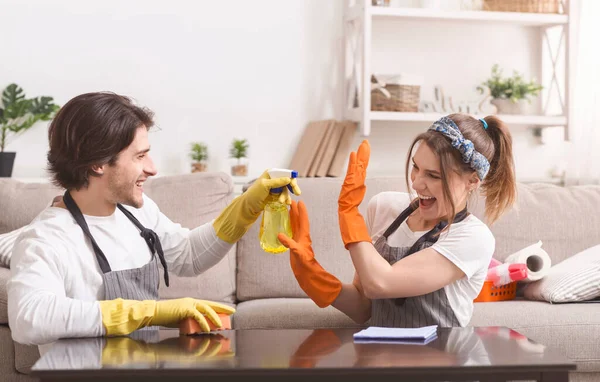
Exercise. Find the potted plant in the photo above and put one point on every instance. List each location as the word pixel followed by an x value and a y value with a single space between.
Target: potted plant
pixel 510 95
pixel 239 151
pixel 199 155
pixel 17 114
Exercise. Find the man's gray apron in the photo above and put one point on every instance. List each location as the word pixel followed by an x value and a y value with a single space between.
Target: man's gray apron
pixel 411 312
pixel 129 284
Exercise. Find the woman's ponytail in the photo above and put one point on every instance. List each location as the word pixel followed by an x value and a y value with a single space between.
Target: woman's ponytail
pixel 499 186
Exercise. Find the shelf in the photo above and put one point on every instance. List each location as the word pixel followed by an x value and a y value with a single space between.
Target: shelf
pixel 525 19
pixel 537 120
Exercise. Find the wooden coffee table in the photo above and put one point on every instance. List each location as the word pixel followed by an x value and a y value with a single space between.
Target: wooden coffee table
pixel 287 355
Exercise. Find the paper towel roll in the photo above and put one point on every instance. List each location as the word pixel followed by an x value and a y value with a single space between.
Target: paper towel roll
pixel 537 260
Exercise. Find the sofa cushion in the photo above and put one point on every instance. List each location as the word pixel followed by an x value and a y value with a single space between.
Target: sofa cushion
pixel 565 219
pixel 573 329
pixel 192 200
pixel 7 241
pixel 263 275
pixel 4 276
pixel 21 202
pixel 287 313
pixel 7 359
pixel 583 377
pixel 574 279
pixel 25 357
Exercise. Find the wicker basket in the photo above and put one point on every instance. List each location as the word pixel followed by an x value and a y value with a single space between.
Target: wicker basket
pixel 528 6
pixel 403 98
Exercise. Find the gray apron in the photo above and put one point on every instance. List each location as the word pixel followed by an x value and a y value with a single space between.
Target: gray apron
pixel 412 312
pixel 129 284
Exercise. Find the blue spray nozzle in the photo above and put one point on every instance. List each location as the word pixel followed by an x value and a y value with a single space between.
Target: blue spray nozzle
pixel 279 173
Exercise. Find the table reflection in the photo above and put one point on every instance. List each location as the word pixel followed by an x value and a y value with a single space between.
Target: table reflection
pixel 469 346
pixel 141 349
pixel 294 348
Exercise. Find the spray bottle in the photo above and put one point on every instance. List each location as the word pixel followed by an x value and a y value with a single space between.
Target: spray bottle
pixel 276 216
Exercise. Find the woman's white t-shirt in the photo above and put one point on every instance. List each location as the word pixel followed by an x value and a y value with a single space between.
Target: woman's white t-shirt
pixel 468 244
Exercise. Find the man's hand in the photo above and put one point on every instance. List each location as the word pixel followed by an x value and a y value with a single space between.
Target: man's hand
pixel 193 349
pixel 121 317
pixel 169 313
pixel 242 212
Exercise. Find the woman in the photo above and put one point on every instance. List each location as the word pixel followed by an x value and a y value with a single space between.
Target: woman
pixel 418 261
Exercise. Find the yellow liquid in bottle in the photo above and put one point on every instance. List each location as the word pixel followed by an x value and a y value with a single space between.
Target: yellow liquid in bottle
pixel 276 219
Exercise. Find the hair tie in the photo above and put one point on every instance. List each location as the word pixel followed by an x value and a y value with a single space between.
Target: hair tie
pixel 485 125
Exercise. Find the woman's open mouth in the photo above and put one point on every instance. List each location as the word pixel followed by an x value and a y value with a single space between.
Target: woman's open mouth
pixel 425 201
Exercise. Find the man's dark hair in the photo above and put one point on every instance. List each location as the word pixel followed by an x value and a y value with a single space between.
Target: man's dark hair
pixel 91 129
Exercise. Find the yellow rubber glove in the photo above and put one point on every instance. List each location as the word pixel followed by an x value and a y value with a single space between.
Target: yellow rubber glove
pixel 125 350
pixel 242 212
pixel 121 317
pixel 120 351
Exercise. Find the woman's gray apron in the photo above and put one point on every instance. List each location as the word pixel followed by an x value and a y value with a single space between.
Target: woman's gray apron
pixel 129 284
pixel 411 312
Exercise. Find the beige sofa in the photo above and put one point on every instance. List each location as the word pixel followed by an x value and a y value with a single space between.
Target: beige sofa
pixel 266 294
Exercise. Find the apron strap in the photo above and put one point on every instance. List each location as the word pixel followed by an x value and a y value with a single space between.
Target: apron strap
pixel 403 216
pixel 151 239
pixel 78 216
pixel 433 235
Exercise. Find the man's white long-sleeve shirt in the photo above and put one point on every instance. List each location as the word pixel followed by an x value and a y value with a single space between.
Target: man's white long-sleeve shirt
pixel 56 280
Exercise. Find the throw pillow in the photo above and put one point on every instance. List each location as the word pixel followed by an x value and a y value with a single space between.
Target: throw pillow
pixel 7 240
pixel 574 279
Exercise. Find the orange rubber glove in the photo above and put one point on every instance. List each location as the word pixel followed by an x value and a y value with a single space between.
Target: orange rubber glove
pixel 321 342
pixel 352 225
pixel 322 287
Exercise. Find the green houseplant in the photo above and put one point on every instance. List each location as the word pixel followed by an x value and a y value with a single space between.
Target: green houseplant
pixel 199 156
pixel 239 151
pixel 18 114
pixel 510 95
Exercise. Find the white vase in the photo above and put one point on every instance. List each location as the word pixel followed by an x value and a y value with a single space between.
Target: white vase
pixel 506 106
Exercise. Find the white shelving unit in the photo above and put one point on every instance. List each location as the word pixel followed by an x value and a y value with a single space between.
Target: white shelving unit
pixel 525 19
pixel 539 120
pixel 360 16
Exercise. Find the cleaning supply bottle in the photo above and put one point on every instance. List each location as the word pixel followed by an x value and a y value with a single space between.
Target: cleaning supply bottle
pixel 276 216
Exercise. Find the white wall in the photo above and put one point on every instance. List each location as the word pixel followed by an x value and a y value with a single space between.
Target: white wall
pixel 215 70
pixel 211 70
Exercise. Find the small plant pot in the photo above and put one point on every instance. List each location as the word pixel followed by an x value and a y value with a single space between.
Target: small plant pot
pixel 239 170
pixel 506 106
pixel 7 160
pixel 198 167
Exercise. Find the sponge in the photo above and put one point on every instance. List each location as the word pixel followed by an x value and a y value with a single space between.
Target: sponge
pixel 190 326
pixel 191 344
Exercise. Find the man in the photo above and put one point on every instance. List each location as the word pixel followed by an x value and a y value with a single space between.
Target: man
pixel 89 264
